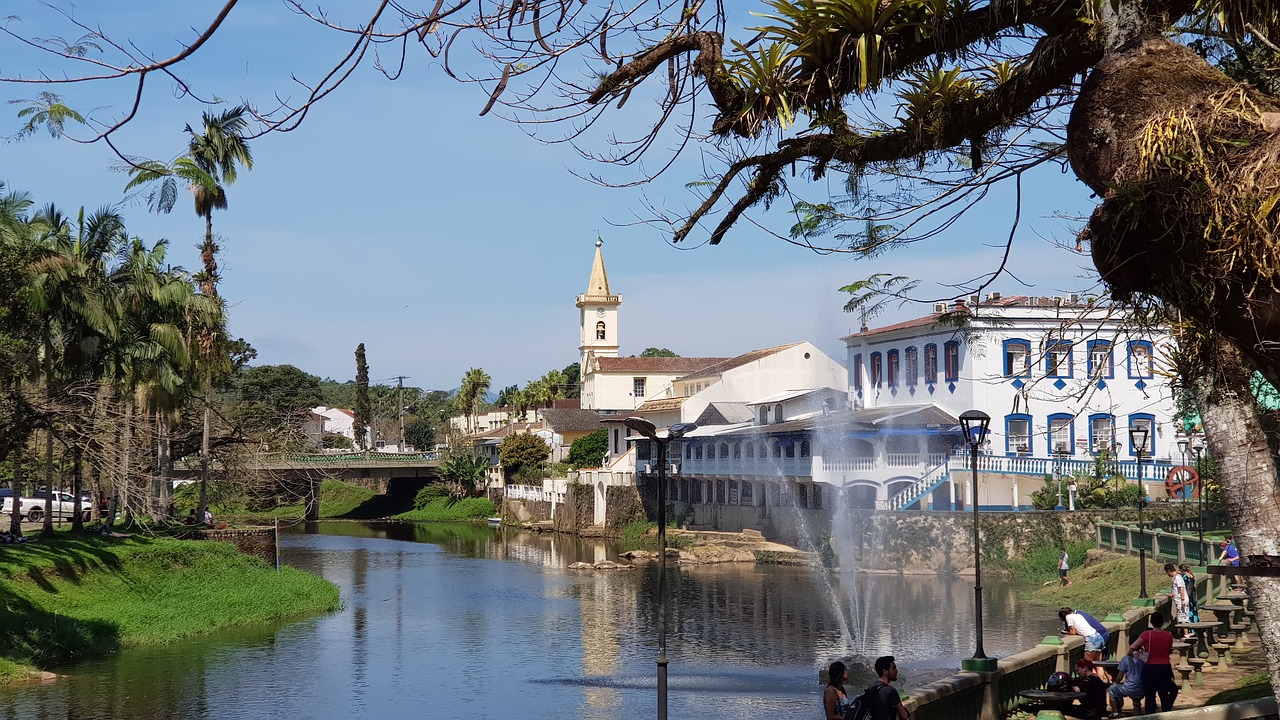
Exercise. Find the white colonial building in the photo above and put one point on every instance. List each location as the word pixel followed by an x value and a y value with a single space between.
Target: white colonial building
pixel 1058 377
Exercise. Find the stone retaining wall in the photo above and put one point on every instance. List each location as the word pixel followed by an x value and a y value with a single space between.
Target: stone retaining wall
pixel 258 542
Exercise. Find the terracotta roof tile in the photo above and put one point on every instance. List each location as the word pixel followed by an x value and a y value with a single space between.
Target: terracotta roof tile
pixel 731 363
pixel 663 365
pixel 570 419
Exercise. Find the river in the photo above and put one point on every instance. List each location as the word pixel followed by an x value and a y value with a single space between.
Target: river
pixel 464 621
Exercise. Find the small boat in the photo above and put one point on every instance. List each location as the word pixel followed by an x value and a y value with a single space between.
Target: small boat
pixel 494 522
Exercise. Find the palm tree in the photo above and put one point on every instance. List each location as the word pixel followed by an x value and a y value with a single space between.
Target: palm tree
pixel 70 294
pixel 471 395
pixel 209 165
pixel 17 333
pixel 148 357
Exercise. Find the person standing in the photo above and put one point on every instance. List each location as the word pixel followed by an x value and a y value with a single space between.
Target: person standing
pixel 885 702
pixel 1189 579
pixel 1178 594
pixel 1064 564
pixel 1157 673
pixel 835 701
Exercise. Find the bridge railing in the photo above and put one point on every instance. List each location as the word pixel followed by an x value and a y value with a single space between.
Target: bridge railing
pixel 326 459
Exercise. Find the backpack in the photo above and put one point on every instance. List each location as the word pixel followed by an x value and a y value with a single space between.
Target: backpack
pixel 863 705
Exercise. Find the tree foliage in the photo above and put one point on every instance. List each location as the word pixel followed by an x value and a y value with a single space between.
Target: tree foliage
pixel 523 453
pixel 274 400
pixel 466 471
pixel 363 411
pixel 420 433
pixel 657 352
pixel 589 450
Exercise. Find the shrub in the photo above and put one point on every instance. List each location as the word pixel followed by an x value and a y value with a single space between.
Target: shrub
pixel 522 451
pixel 429 494
pixel 588 451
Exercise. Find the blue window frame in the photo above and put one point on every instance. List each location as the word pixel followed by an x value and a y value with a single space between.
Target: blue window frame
pixel 1147 420
pixel 951 360
pixel 1058 359
pixel 1062 433
pixel 1102 432
pixel 912 369
pixel 857 372
pixel 1017 357
pixel 1017 433
pixel 1141 364
pixel 876 370
pixel 1100 362
pixel 931 363
pixel 893 358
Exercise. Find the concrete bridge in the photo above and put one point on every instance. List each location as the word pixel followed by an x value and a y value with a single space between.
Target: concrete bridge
pixel 388 473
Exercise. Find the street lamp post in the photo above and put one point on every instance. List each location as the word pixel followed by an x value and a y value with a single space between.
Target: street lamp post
pixel 1138 440
pixel 975 424
pixel 1182 450
pixel 648 430
pixel 1198 448
pixel 1057 471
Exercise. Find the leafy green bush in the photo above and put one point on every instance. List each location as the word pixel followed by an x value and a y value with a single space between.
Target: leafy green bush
pixel 523 451
pixel 428 495
pixel 588 451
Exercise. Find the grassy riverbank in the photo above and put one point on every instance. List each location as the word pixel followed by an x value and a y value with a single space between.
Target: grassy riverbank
pixel 76 597
pixel 1099 587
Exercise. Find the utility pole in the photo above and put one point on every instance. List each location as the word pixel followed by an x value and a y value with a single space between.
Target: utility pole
pixel 400 408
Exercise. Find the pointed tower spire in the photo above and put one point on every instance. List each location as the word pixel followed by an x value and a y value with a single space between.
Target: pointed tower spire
pixel 598 285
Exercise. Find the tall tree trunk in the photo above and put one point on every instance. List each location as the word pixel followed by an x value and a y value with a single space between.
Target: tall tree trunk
pixel 125 486
pixel 1247 474
pixel 47 528
pixel 165 463
pixel 204 446
pixel 15 518
pixel 77 520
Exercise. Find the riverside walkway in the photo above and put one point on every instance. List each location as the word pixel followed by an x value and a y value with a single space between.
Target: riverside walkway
pixel 995 695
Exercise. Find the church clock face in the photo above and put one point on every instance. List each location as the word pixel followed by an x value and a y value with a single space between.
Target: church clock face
pixel 599 312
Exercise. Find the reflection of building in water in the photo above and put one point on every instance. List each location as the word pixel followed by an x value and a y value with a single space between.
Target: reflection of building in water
pixel 601 600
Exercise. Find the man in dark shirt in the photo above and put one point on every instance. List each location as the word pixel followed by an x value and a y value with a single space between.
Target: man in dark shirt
pixel 887 705
pixel 1094 703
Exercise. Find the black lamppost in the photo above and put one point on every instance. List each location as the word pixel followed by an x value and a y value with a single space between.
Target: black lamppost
pixel 975 424
pixel 1198 449
pixel 1057 471
pixel 647 429
pixel 1182 450
pixel 1138 440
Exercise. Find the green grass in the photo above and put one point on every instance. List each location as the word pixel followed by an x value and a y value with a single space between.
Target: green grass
pixel 642 535
pixel 75 597
pixel 1040 564
pixel 448 509
pixel 1250 687
pixel 1102 588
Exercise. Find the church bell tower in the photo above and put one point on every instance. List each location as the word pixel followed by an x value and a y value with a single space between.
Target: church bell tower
pixel 597 320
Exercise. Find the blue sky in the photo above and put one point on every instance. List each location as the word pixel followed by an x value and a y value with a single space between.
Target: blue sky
pixel 397 217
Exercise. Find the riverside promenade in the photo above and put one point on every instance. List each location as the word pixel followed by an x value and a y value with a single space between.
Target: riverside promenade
pixel 995 695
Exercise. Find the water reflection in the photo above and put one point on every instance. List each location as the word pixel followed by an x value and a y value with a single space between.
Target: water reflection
pixel 454 621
